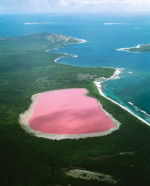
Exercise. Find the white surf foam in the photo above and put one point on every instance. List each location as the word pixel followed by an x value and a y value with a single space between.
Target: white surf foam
pixel 130 103
pixel 145 113
pixel 75 56
pixel 114 23
pixel 36 23
pixel 138 109
pixel 94 19
pixel 99 86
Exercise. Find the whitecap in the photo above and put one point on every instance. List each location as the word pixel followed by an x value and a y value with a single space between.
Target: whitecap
pixel 145 113
pixel 130 103
pixel 138 109
pixel 93 19
pixel 114 23
pixel 36 23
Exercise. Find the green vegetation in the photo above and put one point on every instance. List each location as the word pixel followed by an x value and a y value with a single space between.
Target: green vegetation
pixel 141 48
pixel 26 69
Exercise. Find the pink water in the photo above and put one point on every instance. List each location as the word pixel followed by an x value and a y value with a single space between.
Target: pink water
pixel 69 111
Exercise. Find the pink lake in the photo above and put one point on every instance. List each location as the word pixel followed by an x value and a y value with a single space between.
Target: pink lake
pixel 69 111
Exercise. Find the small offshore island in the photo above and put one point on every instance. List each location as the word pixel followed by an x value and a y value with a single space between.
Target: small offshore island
pixel 120 158
pixel 137 49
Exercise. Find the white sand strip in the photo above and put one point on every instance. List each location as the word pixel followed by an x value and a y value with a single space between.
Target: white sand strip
pixel 69 55
pixel 99 87
pixel 24 118
pixel 128 48
pixel 89 175
pixel 82 41
pixel 58 59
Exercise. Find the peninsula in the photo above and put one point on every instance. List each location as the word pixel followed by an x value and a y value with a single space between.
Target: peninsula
pixel 137 49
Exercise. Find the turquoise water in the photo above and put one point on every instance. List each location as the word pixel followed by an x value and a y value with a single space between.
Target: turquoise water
pixel 133 88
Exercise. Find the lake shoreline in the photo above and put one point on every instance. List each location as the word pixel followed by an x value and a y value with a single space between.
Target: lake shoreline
pixel 24 122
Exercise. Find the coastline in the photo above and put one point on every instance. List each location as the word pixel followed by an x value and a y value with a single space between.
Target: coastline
pixel 70 55
pixel 81 41
pixel 128 48
pixel 24 118
pixel 115 76
pixel 58 59
pixel 103 79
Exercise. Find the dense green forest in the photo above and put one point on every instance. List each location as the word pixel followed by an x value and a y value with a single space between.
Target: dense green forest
pixel 26 69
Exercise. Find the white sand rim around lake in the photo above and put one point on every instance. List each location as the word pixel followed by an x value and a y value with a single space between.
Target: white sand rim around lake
pixel 24 121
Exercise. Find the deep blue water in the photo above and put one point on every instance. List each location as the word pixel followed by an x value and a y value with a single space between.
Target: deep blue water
pixel 100 49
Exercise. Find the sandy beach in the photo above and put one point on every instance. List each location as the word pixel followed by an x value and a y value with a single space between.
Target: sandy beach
pixel 99 87
pixel 128 48
pixel 24 117
pixel 70 55
pixel 56 60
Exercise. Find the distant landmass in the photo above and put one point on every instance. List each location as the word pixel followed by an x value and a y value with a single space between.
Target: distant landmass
pixel 138 48
pixel 37 41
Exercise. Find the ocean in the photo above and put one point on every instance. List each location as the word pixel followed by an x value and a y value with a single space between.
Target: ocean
pixel 104 34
